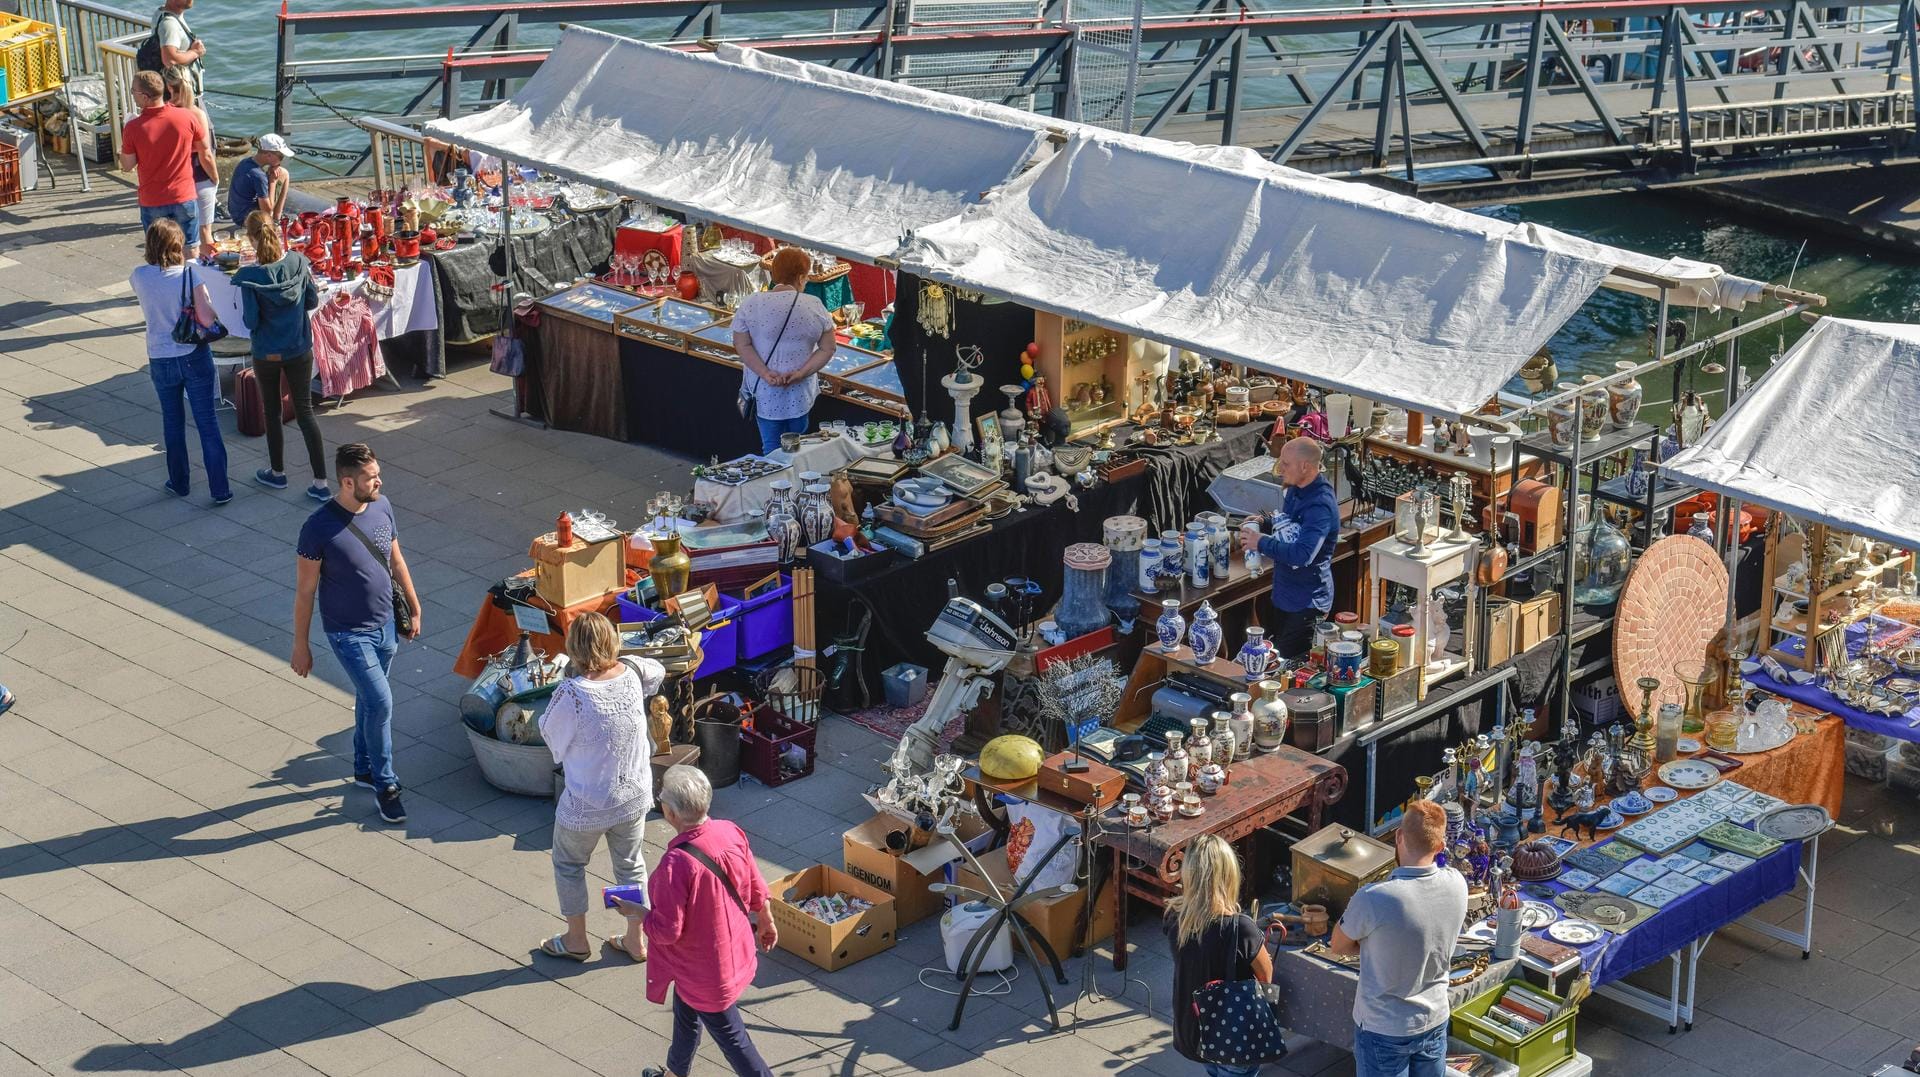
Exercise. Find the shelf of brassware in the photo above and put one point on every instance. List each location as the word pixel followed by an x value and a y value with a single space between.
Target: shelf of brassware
pixel 1796 626
pixel 1052 333
pixel 1442 561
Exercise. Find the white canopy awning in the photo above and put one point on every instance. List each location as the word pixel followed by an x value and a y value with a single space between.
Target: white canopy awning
pixel 1827 434
pixel 809 161
pixel 1217 250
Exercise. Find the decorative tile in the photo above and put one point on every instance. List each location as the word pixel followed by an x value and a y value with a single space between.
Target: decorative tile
pixel 1699 851
pixel 1576 879
pixel 1709 874
pixel 1644 870
pixel 1621 884
pixel 1731 861
pixel 1656 896
pixel 1678 882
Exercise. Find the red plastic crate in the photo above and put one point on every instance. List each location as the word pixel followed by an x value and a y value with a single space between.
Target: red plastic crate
pixel 10 191
pixel 760 747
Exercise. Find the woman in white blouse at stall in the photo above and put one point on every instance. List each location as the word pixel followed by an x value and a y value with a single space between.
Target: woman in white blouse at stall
pixel 596 727
pixel 784 338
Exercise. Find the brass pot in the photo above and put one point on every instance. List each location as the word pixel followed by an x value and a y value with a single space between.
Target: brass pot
pixel 670 566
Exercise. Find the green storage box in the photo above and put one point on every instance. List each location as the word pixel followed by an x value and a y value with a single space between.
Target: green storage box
pixel 1535 1053
pixel 1354 704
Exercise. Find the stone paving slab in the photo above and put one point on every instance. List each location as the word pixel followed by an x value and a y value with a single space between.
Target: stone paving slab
pixel 188 883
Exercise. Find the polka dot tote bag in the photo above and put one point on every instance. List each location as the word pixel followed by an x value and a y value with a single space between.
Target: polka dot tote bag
pixel 1239 1022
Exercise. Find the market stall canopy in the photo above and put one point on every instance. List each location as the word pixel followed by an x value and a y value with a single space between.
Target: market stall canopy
pixel 1219 251
pixel 1827 434
pixel 814 162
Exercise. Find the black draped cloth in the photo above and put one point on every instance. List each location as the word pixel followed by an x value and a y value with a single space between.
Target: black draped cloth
pixel 543 263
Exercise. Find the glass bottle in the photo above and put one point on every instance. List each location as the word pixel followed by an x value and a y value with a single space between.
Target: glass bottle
pixel 1199 746
pixel 1601 557
pixel 1179 764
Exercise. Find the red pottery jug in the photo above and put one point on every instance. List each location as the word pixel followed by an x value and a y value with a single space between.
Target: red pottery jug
pixel 406 244
pixel 689 285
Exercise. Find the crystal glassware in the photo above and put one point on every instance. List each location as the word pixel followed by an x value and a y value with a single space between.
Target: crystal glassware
pixel 1695 676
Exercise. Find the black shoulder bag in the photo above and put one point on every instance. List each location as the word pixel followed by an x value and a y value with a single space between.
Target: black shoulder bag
pixel 747 402
pixel 187 328
pixel 698 854
pixel 402 613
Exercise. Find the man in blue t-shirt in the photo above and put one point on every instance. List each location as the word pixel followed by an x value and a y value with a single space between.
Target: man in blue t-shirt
pixel 260 182
pixel 350 559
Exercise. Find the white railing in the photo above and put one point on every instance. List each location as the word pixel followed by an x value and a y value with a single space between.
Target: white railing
pixel 399 154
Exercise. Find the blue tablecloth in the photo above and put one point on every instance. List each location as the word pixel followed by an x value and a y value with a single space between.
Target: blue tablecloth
pixel 1700 911
pixel 1899 727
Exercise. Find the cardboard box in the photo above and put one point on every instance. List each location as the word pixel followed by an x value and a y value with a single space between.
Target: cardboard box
pixel 579 572
pixel 1054 920
pixel 866 857
pixel 1536 620
pixel 1502 613
pixel 830 946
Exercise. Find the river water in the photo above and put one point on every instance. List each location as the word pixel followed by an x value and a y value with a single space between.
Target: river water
pixel 1859 281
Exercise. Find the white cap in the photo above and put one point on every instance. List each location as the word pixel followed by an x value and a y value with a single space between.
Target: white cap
pixel 276 144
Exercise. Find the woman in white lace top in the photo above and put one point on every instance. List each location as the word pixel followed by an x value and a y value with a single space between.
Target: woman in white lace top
pixel 596 727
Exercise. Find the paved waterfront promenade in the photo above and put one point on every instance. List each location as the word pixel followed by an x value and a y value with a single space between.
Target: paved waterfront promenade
pixel 188 882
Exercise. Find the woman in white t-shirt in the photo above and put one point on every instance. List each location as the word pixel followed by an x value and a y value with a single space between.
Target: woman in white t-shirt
pixel 595 725
pixel 784 337
pixel 180 369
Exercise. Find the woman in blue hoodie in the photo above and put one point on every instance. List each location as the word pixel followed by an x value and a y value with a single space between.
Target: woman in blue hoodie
pixel 277 295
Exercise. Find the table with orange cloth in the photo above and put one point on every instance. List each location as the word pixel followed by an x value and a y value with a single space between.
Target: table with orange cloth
pixel 1809 769
pixel 494 628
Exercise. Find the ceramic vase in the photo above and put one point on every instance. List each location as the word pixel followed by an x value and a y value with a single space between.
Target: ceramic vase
pixel 1173 556
pixel 1623 399
pixel 1199 745
pixel 1269 717
pixel 1149 567
pixel 1257 655
pixel 1179 763
pixel 1560 415
pixel 1171 626
pixel 1156 770
pixel 1702 528
pixel 1123 537
pixel 786 534
pixel 1204 636
pixel 1593 410
pixel 1241 723
pixel 780 500
pixel 1199 558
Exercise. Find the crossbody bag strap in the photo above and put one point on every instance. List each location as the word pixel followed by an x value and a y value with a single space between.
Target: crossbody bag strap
pixel 698 854
pixel 778 337
pixel 386 561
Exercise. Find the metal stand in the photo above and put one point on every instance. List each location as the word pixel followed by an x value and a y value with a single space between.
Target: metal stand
pixel 1025 938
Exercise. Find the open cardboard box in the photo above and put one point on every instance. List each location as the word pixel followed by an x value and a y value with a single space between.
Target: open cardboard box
pixel 830 946
pixel 1054 920
pixel 866 857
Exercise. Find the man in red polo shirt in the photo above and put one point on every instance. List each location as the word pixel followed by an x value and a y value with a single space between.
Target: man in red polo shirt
pixel 161 144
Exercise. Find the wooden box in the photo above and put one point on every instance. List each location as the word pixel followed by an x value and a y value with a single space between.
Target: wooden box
pixel 1503 615
pixel 1538 506
pixel 1098 784
pixel 1077 358
pixel 1535 620
pixel 564 576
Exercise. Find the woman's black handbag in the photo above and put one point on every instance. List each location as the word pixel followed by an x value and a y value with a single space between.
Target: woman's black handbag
pixel 1239 1023
pixel 187 328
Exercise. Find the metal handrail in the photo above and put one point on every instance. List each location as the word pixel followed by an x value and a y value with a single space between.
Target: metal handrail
pixel 398 153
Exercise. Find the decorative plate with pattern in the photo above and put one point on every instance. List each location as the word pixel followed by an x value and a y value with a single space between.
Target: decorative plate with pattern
pixel 1688 774
pixel 1574 932
pixel 1795 822
pixel 1659 794
pixel 1611 911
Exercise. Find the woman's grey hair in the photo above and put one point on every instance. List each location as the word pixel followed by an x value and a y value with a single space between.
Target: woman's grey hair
pixel 685 792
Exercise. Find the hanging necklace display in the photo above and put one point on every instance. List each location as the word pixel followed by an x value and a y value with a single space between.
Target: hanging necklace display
pixel 936 310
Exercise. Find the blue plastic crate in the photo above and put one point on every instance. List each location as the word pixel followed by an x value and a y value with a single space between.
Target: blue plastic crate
pixel 766 621
pixel 719 644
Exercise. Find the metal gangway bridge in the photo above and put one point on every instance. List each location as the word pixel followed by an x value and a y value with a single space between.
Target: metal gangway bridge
pixel 1456 100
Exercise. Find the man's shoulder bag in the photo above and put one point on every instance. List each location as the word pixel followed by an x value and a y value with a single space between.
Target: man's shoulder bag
pixel 402 613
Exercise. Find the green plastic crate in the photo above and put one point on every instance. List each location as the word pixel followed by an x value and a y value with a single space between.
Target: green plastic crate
pixel 1542 1050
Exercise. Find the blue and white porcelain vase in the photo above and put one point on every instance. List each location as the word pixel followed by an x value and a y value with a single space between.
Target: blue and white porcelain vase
pixel 1199 558
pixel 1257 655
pixel 1204 636
pixel 1639 475
pixel 1171 626
pixel 1149 565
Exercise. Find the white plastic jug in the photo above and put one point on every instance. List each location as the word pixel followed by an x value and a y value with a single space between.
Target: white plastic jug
pixel 961 923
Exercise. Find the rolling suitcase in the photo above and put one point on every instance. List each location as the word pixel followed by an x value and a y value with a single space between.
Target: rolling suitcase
pixel 252 413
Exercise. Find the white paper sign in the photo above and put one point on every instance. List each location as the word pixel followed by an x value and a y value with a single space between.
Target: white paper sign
pixel 531 619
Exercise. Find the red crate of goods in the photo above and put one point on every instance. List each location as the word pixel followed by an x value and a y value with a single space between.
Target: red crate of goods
pixel 773 736
pixel 10 191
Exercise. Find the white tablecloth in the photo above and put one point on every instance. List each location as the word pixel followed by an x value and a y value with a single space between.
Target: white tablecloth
pixel 411 307
pixel 732 503
pixel 720 275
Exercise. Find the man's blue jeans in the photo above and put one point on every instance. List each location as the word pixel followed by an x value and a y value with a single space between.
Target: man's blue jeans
pixel 193 375
pixel 367 656
pixel 1420 1055
pixel 185 214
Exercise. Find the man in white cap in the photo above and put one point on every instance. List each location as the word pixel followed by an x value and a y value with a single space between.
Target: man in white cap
pixel 260 182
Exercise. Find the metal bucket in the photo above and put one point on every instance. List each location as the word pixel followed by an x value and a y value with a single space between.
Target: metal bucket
pixel 481 701
pixel 514 768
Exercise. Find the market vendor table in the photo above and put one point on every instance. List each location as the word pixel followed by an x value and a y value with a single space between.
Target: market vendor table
pixel 494 628
pixel 1265 789
pixel 732 503
pixel 1900 727
pixel 1316 996
pixel 410 309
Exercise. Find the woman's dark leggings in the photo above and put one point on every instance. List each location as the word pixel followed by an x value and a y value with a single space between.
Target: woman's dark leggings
pixel 729 1034
pixel 299 374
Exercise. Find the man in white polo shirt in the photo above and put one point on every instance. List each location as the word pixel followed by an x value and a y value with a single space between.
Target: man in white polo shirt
pixel 1404 927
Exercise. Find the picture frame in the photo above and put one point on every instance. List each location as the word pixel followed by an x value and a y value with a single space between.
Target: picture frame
pixel 991 442
pixel 761 587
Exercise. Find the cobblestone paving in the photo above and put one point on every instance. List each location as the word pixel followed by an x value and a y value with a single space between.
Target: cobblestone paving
pixel 187 881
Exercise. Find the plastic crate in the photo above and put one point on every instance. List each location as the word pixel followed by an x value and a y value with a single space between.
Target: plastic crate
pixel 766 621
pixel 10 190
pixel 719 643
pixel 30 55
pixel 773 733
pixel 4 98
pixel 1535 1053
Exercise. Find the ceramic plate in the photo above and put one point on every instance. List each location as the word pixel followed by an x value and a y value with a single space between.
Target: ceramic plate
pixel 1659 794
pixel 1631 804
pixel 1688 774
pixel 1688 745
pixel 1610 820
pixel 1574 932
pixel 1536 914
pixel 1795 822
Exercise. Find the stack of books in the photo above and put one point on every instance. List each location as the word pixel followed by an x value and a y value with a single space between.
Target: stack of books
pixel 1522 1011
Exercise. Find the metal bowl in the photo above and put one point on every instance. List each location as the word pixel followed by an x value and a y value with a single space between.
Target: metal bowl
pixel 1908 659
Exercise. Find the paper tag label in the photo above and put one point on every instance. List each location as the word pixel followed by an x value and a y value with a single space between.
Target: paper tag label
pixel 531 619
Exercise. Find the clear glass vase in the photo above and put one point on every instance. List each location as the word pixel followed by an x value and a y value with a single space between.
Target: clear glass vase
pixel 1601 557
pixel 1695 676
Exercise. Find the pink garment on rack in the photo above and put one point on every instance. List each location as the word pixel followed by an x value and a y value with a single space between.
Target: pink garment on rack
pixel 346 347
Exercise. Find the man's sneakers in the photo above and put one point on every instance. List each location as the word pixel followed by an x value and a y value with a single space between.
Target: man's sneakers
pixel 391 809
pixel 364 781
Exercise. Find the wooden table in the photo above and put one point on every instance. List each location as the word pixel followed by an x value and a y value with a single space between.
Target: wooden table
pixel 1263 790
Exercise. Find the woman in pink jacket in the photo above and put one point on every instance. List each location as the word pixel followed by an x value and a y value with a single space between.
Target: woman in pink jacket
pixel 705 899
